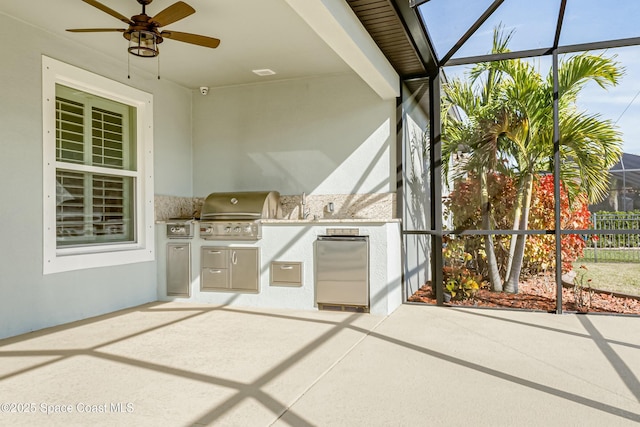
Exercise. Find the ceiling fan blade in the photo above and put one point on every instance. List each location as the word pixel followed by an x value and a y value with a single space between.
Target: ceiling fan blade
pixel 96 30
pixel 110 11
pixel 191 38
pixel 173 13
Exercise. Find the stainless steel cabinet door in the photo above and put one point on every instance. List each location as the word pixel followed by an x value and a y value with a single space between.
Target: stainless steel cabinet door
pixel 342 272
pixel 178 269
pixel 244 269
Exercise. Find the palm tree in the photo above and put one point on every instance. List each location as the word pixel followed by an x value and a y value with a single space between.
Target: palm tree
pixel 504 116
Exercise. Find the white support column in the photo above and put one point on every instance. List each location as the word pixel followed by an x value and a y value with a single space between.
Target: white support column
pixel 339 27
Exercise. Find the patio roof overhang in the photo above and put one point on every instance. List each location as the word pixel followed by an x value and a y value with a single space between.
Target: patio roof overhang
pixel 409 32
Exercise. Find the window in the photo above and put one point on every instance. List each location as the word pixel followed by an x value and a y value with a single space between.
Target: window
pixel 95 169
pixel 98 189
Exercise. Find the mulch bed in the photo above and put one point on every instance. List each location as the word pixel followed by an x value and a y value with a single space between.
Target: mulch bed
pixel 539 293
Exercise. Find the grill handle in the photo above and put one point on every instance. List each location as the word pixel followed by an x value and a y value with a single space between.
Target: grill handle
pixel 343 238
pixel 230 216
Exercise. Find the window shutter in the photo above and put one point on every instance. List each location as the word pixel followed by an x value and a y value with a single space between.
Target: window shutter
pixel 107 132
pixel 70 210
pixel 69 131
pixel 109 204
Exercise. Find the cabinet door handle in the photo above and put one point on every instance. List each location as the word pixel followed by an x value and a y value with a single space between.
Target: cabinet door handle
pixel 178 248
pixel 215 271
pixel 286 267
pixel 234 257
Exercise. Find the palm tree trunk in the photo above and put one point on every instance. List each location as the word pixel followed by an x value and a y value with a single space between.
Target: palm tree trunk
pixel 514 274
pixel 517 219
pixel 492 263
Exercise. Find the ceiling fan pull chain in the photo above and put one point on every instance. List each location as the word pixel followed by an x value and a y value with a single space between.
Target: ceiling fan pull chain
pixel 158 58
pixel 128 66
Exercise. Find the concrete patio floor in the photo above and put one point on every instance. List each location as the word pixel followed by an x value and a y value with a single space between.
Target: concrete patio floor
pixel 172 364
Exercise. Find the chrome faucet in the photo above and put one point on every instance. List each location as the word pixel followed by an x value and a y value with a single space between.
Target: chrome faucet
pixel 304 212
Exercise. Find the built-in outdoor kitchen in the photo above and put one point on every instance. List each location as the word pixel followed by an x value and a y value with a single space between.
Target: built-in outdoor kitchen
pixel 208 124
pixel 261 249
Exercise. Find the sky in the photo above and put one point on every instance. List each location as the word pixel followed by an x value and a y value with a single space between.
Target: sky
pixel 534 25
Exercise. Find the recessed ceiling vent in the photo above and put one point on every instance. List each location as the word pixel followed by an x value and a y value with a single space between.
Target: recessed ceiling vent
pixel 264 72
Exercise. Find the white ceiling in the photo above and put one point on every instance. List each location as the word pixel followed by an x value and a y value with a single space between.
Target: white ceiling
pixel 254 34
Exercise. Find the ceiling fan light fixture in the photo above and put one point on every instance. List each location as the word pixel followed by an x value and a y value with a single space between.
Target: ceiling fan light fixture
pixel 144 44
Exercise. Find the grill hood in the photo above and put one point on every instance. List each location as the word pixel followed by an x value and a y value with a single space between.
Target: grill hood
pixel 247 205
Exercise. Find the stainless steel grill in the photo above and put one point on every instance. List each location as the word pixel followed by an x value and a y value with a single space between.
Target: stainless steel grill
pixel 237 215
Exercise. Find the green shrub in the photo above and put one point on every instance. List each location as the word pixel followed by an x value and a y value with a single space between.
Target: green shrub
pixel 459 280
pixel 463 204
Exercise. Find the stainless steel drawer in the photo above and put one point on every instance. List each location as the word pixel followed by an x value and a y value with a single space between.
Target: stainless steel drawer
pixel 214 257
pixel 286 273
pixel 215 278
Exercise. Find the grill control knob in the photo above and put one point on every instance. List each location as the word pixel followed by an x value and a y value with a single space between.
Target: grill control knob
pixel 247 229
pixel 237 229
pixel 227 229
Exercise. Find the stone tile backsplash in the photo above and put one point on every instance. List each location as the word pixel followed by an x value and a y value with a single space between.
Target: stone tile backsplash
pixel 167 207
pixel 345 206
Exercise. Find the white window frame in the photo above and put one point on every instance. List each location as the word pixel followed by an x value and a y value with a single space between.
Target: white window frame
pixel 56 259
pixel 91 169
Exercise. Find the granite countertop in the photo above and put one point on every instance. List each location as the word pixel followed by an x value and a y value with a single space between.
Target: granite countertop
pixel 312 221
pixel 377 208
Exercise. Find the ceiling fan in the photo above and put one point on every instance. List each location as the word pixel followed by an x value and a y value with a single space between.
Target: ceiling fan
pixel 143 32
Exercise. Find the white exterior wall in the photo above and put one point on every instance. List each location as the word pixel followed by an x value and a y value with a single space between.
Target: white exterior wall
pixel 321 135
pixel 31 300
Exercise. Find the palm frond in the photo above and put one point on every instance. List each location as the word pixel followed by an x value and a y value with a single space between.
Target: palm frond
pixel 589 147
pixel 576 71
pixel 503 115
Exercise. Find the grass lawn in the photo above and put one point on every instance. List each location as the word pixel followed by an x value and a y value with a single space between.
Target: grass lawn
pixel 612 255
pixel 614 277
